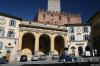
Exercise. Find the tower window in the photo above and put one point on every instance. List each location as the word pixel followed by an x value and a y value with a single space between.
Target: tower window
pixel 59 17
pixel 43 15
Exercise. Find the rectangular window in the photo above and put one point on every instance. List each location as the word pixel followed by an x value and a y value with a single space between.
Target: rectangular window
pixel 71 30
pixel 12 22
pixel 1 32
pixel 86 37
pixel 11 34
pixel 1 18
pixel 1 45
pixel 59 17
pixel 72 37
pixel 85 29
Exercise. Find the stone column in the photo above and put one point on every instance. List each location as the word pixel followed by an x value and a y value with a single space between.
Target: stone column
pixel 52 44
pixel 36 48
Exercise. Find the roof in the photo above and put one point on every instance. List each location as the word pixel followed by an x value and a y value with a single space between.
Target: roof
pixel 11 16
pixel 98 12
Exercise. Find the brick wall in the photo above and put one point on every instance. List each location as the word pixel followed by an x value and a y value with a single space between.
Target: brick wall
pixel 58 18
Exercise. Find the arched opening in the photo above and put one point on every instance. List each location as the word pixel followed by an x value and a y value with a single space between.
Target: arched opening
pixel 87 48
pixel 80 50
pixel 73 50
pixel 28 41
pixel 8 53
pixel 59 44
pixel 44 44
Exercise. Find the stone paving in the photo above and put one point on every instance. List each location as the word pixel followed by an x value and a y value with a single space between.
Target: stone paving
pixel 43 62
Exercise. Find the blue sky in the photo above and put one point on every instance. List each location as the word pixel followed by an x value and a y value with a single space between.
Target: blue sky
pixel 27 9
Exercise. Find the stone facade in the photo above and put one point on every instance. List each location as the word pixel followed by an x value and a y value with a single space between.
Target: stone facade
pixel 39 30
pixel 9 35
pixel 78 37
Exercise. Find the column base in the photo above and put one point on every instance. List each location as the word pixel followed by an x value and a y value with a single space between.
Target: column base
pixel 54 52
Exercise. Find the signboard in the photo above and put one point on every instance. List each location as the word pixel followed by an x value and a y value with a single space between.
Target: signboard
pixel 88 53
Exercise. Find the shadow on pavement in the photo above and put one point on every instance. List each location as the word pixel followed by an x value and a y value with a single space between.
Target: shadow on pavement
pixel 60 64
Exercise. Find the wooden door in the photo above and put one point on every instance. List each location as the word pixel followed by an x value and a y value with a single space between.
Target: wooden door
pixel 8 55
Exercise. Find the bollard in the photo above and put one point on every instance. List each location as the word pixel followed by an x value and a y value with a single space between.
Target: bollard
pixel 89 64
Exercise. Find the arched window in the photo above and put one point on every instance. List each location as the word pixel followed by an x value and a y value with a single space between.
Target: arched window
pixel 87 48
pixel 1 44
pixel 73 50
pixel 73 47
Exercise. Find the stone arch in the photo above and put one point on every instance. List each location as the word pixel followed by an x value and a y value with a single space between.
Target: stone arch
pixel 44 43
pixel 28 41
pixel 73 50
pixel 59 44
pixel 73 47
pixel 26 51
pixel 87 48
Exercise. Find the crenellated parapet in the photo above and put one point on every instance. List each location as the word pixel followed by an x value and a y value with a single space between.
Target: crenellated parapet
pixel 60 18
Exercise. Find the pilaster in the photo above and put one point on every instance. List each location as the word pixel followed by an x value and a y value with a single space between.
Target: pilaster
pixel 37 35
pixel 20 40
